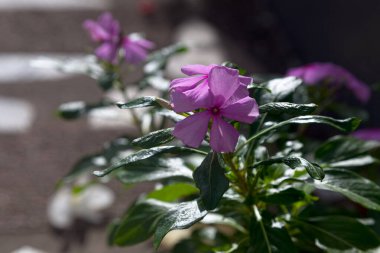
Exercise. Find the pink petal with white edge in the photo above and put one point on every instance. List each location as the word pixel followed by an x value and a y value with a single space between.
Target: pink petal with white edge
pixel 223 83
pixel 223 136
pixel 183 84
pixel 192 130
pixel 244 110
pixel 197 69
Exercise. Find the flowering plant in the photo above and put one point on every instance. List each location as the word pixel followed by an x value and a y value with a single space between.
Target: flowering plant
pixel 243 162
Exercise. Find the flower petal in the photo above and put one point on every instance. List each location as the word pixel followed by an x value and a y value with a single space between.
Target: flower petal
pixel 223 83
pixel 245 80
pixel 97 32
pixel 223 136
pixel 107 52
pixel 244 110
pixel 187 83
pixel 134 53
pixel 186 101
pixel 144 43
pixel 197 69
pixel 192 130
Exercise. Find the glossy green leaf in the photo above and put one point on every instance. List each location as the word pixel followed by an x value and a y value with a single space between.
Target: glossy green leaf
pixel 267 238
pixel 182 216
pixel 145 154
pixel 107 80
pixel 173 192
pixel 338 232
pixel 314 170
pixel 144 102
pixel 154 170
pixel 210 178
pixel 284 196
pixel 341 148
pixel 76 109
pixel 359 161
pixel 154 139
pixel 140 222
pixel 281 87
pixel 353 186
pixel 345 125
pixel 99 160
pixel 278 108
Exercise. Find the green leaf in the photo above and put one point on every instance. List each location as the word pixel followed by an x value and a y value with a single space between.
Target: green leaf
pixel 353 186
pixel 338 232
pixel 210 178
pixel 154 170
pixel 346 125
pixel 144 102
pixel 107 80
pixel 314 170
pixel 267 238
pixel 145 154
pixel 278 108
pixel 359 161
pixel 173 192
pixel 140 222
pixel 99 160
pixel 76 109
pixel 213 218
pixel 284 196
pixel 182 216
pixel 341 148
pixel 154 139
pixel 281 87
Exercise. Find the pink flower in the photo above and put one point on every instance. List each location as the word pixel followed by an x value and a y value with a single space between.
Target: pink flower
pixel 316 72
pixel 135 48
pixel 185 91
pixel 368 134
pixel 106 31
pixel 224 99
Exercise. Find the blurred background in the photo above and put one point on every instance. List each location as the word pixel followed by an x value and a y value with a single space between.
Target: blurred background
pixel 37 148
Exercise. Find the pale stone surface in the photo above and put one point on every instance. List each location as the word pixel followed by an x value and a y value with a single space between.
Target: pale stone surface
pixel 31 67
pixel 16 115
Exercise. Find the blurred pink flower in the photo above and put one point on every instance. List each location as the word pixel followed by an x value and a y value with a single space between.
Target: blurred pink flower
pixel 316 72
pixel 135 48
pixel 224 99
pixel 185 91
pixel 106 31
pixel 368 134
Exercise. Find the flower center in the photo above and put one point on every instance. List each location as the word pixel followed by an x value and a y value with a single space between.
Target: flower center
pixel 215 111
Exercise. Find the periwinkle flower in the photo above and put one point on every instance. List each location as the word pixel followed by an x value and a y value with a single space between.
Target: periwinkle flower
pixel 106 31
pixel 224 100
pixel 136 48
pixel 315 73
pixel 184 91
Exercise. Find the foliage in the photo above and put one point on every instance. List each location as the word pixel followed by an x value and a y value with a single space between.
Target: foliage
pixel 262 192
